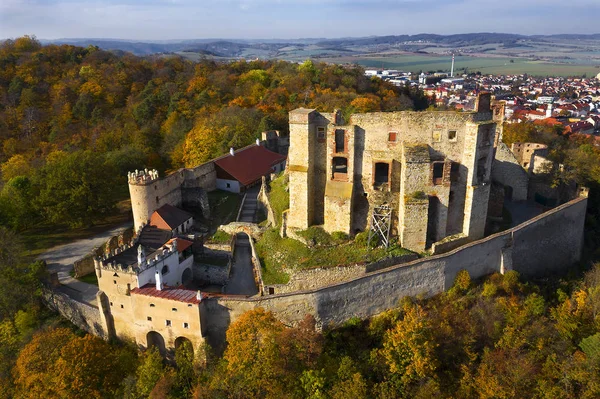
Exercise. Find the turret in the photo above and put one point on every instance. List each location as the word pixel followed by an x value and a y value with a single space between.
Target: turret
pixel 141 257
pixel 159 282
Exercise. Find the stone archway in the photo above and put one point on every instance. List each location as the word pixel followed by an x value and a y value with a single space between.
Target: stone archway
pixel 154 339
pixel 187 277
pixel 184 341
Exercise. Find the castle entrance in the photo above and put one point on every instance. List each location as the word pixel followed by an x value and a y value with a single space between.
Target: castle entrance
pixel 154 339
pixel 180 341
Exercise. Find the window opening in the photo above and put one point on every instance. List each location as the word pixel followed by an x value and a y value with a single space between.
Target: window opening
pixel 165 270
pixel 392 137
pixel 340 140
pixel 149 318
pixel 168 323
pixel 382 174
pixel 186 325
pixel 340 167
pixel 452 135
pixel 438 173
pixel 321 132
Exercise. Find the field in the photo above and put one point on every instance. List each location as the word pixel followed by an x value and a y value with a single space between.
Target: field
pixel 486 65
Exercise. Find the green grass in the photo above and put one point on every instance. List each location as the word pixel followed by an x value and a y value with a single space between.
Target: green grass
pixel 487 65
pixel 88 278
pixel 278 253
pixel 220 237
pixel 279 197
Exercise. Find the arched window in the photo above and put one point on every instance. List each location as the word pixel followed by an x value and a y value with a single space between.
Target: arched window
pixel 165 270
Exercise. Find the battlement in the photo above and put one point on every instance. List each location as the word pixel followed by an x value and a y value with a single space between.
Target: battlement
pixel 113 262
pixel 142 176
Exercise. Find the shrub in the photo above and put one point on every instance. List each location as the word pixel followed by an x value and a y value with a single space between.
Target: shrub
pixel 316 235
pixel 339 236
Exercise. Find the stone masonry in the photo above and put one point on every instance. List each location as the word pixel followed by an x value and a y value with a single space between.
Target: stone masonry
pixel 433 169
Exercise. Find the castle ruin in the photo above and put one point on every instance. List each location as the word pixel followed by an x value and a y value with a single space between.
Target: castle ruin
pixel 432 169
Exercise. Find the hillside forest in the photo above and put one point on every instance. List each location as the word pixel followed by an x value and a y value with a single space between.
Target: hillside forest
pixel 74 121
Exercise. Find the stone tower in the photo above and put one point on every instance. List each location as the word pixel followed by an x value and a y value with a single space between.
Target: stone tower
pixel 432 169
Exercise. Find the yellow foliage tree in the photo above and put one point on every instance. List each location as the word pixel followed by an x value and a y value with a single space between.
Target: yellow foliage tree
pixel 17 165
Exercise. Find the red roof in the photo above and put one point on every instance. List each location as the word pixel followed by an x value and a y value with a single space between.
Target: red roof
pixel 182 244
pixel 168 217
pixel 179 294
pixel 249 164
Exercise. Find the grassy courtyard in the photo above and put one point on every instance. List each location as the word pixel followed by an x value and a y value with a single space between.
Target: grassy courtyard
pixel 327 250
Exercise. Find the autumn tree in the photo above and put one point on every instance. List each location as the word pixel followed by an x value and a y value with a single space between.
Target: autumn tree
pixel 76 188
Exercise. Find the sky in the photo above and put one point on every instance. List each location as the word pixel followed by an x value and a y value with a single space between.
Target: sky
pixel 289 19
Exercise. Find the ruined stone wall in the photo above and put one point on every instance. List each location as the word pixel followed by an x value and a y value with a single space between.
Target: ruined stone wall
pixel 549 242
pixel 375 142
pixel 314 278
pixel 507 171
pixel 301 168
pixel 84 316
pixel 265 204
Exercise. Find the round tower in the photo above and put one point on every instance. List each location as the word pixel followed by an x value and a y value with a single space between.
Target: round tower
pixel 143 194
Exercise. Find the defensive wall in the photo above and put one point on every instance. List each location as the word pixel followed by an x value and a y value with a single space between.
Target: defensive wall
pixel 550 242
pixel 149 192
pixel 83 315
pixel 85 265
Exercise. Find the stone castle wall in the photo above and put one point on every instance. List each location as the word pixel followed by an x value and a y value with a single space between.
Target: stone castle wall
pixel 84 316
pixel 333 163
pixel 85 265
pixel 183 186
pixel 508 171
pixel 549 242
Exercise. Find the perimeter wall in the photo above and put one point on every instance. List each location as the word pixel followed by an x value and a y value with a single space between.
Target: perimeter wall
pixel 547 243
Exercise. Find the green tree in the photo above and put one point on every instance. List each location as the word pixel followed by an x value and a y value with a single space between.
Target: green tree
pixel 76 188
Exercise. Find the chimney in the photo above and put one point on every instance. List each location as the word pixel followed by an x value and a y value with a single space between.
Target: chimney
pixel 257 142
pixel 199 295
pixel 159 282
pixel 231 152
pixel 549 111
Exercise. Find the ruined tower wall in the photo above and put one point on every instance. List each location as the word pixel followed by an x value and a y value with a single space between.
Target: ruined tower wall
pixel 301 168
pixel 508 171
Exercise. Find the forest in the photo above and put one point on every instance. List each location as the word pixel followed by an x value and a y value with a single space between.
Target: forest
pixel 74 120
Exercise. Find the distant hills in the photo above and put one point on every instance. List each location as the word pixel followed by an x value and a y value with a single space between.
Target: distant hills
pixel 576 47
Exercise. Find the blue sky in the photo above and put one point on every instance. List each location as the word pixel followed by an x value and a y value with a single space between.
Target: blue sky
pixel 267 19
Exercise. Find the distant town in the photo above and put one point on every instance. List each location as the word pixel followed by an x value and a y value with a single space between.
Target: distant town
pixel 573 102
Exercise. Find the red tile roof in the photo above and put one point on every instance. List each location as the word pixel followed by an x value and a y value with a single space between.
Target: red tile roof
pixel 250 164
pixel 182 244
pixel 179 294
pixel 168 217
